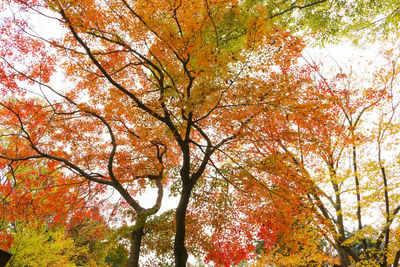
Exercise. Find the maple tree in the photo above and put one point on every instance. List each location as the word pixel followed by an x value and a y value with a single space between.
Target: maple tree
pixel 357 103
pixel 315 172
pixel 32 193
pixel 348 161
pixel 32 248
pixel 254 194
pixel 39 204
pixel 153 91
pixel 149 87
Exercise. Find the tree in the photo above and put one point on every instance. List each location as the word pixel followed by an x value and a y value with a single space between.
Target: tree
pixel 35 193
pixel 41 208
pixel 320 168
pixel 342 191
pixel 173 97
pixel 38 246
pixel 255 195
pixel 153 87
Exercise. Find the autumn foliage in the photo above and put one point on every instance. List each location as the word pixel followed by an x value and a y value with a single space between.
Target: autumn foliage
pixel 208 101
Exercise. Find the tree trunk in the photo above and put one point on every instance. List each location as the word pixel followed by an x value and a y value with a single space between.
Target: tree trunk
pixel 343 257
pixel 180 251
pixel 396 259
pixel 358 192
pixel 136 242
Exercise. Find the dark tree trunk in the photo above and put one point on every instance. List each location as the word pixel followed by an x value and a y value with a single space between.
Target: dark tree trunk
pixel 180 251
pixel 396 259
pixel 358 192
pixel 344 258
pixel 136 242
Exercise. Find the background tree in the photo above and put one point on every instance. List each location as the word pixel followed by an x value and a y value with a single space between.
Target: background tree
pixel 37 246
pixel 347 164
pixel 306 171
pixel 255 195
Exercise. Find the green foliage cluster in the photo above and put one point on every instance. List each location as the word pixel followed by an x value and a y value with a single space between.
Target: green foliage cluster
pixel 333 19
pixel 38 245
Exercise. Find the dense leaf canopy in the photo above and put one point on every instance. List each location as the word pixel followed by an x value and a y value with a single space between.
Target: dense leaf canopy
pixel 211 102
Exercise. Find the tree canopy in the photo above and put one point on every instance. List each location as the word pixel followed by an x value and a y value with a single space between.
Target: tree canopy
pixel 209 101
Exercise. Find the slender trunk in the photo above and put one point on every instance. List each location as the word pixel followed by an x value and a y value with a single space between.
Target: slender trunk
pixel 396 259
pixel 138 230
pixel 387 208
pixel 136 242
pixel 338 204
pixel 360 227
pixel 180 251
pixel 343 257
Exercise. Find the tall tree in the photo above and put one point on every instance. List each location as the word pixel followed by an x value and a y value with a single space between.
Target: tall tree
pixel 346 161
pixel 318 168
pixel 153 86
pixel 147 76
pixel 255 195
